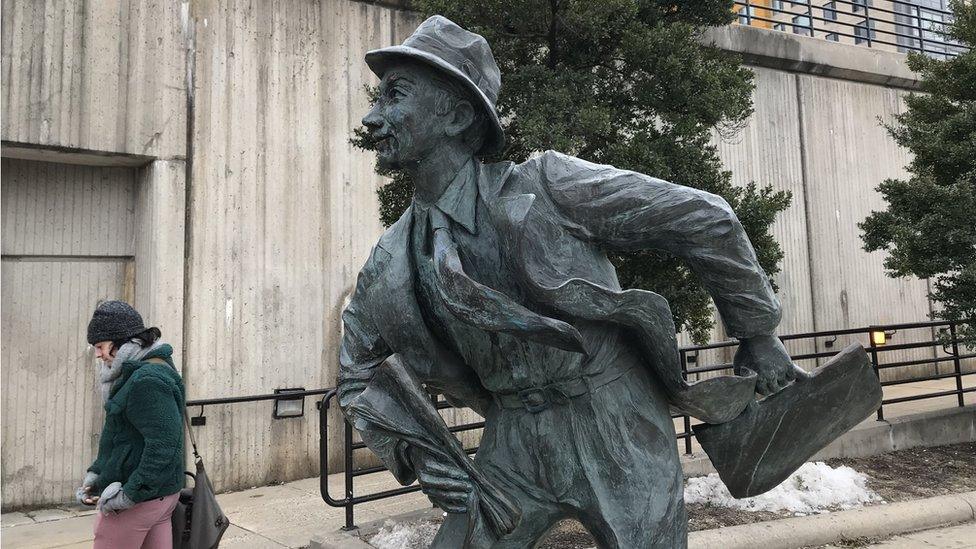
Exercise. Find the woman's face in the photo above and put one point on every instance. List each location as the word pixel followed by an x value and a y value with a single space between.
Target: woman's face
pixel 105 350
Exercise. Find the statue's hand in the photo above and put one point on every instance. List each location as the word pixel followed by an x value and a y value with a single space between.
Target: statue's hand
pixel 766 356
pixel 445 484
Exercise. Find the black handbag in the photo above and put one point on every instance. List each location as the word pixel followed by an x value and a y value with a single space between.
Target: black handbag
pixel 198 522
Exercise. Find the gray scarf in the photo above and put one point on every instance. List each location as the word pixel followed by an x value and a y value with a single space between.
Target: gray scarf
pixel 109 372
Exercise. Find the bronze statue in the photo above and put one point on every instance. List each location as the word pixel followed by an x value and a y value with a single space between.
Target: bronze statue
pixel 494 289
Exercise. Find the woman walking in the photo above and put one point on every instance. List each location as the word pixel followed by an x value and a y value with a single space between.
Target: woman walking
pixel 138 474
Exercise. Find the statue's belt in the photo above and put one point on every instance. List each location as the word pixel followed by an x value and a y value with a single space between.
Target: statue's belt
pixel 537 399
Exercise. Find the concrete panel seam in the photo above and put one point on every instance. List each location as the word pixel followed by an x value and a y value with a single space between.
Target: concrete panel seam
pixel 189 46
pixel 804 182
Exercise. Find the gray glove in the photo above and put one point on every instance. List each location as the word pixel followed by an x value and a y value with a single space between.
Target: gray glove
pixel 84 492
pixel 114 500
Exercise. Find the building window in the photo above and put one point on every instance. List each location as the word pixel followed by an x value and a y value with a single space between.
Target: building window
pixel 779 27
pixel 864 31
pixel 830 11
pixel 777 4
pixel 833 37
pixel 859 5
pixel 745 15
pixel 801 25
pixel 933 40
pixel 932 25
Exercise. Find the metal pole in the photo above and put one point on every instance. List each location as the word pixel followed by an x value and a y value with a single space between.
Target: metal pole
pixel 918 25
pixel 956 363
pixel 877 371
pixel 810 16
pixel 867 20
pixel 323 447
pixel 748 13
pixel 350 522
pixel 686 420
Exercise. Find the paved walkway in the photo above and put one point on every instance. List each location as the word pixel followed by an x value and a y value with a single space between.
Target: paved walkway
pixel 287 515
pixel 962 536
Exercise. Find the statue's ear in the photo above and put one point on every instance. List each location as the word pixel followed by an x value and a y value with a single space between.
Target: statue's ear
pixel 460 118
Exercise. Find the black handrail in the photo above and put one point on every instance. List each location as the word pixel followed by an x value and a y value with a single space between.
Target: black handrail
pixel 254 398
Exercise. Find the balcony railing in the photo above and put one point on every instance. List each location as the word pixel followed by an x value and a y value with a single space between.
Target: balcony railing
pixel 893 25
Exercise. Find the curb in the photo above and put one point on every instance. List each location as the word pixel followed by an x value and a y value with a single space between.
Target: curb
pixel 813 530
pixel 790 533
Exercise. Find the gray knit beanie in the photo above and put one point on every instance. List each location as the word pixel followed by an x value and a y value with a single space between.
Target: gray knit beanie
pixel 114 321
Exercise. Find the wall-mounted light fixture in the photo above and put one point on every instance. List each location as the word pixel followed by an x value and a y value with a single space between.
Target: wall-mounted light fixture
pixel 289 405
pixel 879 337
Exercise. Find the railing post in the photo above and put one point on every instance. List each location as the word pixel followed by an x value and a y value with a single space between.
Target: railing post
pixel 810 17
pixel 957 364
pixel 867 20
pixel 686 420
pixel 877 371
pixel 748 13
pixel 350 522
pixel 323 445
pixel 918 26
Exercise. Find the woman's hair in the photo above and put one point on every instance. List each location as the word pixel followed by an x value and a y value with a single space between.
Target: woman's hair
pixel 145 338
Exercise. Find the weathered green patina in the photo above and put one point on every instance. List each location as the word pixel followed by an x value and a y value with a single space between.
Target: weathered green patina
pixel 494 289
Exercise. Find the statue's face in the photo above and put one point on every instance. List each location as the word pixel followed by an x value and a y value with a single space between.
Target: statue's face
pixel 403 120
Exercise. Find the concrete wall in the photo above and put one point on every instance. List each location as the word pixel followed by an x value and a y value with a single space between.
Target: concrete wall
pixel 253 213
pixel 818 132
pixel 282 214
pixel 90 89
pixel 102 76
pixel 60 257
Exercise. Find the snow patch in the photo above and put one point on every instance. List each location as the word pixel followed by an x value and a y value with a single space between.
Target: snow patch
pixel 813 488
pixel 405 535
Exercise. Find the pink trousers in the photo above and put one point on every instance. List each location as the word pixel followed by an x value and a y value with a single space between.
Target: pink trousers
pixel 147 525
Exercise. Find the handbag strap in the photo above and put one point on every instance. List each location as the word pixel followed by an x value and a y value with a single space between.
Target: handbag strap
pixel 186 417
pixel 189 431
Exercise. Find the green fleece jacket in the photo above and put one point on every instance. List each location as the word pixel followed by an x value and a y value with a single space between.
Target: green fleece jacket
pixel 141 444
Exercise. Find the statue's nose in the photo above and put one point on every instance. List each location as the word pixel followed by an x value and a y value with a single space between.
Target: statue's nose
pixel 372 120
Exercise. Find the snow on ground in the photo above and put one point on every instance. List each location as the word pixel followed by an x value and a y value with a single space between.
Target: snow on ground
pixel 813 488
pixel 405 535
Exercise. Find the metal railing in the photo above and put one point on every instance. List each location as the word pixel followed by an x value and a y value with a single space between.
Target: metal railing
pixel 902 24
pixel 948 341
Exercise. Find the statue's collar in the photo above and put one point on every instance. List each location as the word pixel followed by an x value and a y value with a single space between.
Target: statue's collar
pixel 460 200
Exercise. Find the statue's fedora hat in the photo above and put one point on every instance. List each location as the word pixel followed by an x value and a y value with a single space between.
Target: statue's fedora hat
pixel 463 55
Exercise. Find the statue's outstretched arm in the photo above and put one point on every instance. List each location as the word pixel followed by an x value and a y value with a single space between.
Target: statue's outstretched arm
pixel 625 210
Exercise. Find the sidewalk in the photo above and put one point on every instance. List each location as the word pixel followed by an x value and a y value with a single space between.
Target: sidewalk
pixel 268 517
pixel 962 536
